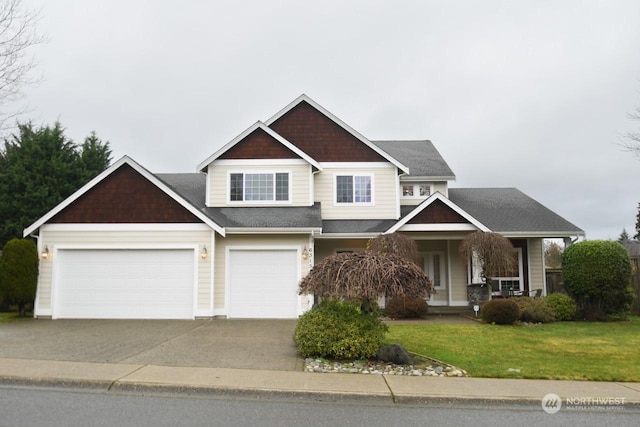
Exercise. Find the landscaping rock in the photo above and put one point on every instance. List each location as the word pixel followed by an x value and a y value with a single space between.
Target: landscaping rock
pixel 395 353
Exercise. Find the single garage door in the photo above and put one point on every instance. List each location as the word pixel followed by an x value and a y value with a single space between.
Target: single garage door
pixel 124 284
pixel 263 284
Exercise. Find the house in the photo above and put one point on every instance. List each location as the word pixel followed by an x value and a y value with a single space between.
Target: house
pixel 234 239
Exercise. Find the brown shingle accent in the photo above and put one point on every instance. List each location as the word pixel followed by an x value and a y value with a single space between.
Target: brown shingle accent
pixel 438 213
pixel 259 145
pixel 124 196
pixel 321 138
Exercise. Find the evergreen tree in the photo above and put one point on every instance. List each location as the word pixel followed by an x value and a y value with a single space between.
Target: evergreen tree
pixel 39 168
pixel 624 236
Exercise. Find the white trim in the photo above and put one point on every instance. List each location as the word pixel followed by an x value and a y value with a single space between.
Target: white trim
pixel 207 198
pixel 55 279
pixel 449 281
pixel 357 165
pixel 541 234
pixel 438 196
pixel 258 162
pixel 398 196
pixel 274 172
pixel 353 175
pixel 247 132
pixel 439 227
pixel 272 230
pixel 257 248
pixel 142 171
pixel 340 123
pixel 126 227
pixel 369 235
pixel 411 178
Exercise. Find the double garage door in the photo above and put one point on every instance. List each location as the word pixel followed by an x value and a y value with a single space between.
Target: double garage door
pixel 161 284
pixel 125 284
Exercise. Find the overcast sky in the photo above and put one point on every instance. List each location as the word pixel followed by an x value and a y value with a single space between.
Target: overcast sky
pixel 526 94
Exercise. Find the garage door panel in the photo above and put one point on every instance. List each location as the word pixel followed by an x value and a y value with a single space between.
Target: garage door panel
pixel 263 283
pixel 125 284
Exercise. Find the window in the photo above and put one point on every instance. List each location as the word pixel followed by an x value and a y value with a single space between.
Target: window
pixel 416 191
pixel 259 187
pixel 509 281
pixel 353 189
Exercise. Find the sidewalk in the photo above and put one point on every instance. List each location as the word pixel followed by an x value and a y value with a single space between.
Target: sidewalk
pixel 132 377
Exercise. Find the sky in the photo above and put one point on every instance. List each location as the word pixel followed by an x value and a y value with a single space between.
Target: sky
pixel 526 94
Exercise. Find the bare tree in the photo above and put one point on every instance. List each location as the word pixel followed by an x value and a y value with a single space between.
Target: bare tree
pixel 495 252
pixel 17 35
pixel 364 276
pixel 394 243
pixel 631 140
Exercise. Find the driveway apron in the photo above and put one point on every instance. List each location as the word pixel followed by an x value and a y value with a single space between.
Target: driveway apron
pixel 216 343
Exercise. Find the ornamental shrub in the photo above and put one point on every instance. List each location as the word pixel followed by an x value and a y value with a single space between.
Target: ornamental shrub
pixel 597 274
pixel 564 307
pixel 339 330
pixel 406 308
pixel 534 310
pixel 19 273
pixel 500 311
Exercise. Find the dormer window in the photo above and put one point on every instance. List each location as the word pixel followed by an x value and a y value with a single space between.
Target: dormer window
pixel 416 191
pixel 250 187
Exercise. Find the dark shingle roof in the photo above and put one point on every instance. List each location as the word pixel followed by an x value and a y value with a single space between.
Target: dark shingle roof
pixel 192 187
pixel 509 210
pixel 421 157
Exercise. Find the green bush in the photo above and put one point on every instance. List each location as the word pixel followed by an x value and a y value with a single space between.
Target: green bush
pixel 564 307
pixel 339 330
pixel 406 308
pixel 500 311
pixel 597 274
pixel 534 310
pixel 19 273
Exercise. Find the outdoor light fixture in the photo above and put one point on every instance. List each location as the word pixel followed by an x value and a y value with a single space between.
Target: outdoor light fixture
pixel 203 252
pixel 45 252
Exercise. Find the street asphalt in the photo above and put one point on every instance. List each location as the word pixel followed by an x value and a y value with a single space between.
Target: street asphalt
pixel 240 356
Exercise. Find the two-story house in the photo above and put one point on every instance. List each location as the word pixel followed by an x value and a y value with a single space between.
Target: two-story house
pixel 235 238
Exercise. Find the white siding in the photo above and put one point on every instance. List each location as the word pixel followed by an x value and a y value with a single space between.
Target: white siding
pixel 384 187
pixel 299 181
pixel 128 237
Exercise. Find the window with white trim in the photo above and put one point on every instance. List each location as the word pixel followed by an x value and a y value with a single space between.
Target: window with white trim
pixel 509 281
pixel 355 189
pixel 415 191
pixel 249 187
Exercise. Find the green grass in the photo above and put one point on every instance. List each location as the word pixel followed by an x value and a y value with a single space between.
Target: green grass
pixel 564 350
pixel 10 317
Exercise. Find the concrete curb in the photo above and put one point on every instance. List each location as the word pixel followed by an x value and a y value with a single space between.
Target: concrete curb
pixel 334 387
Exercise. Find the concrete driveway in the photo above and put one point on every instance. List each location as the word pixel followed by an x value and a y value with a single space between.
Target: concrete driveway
pixel 216 343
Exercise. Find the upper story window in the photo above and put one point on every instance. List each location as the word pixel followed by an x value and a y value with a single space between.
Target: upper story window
pixel 247 187
pixel 354 189
pixel 416 191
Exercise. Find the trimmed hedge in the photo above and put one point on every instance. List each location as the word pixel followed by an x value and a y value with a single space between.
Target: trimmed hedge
pixel 339 330
pixel 406 308
pixel 19 273
pixel 563 306
pixel 500 311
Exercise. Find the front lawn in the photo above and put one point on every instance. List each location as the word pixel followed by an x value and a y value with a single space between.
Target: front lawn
pixel 564 350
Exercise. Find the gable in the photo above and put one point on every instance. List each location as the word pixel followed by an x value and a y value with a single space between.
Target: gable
pixel 258 145
pixel 125 196
pixel 322 138
pixel 438 213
